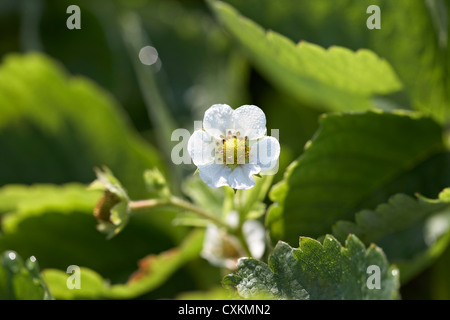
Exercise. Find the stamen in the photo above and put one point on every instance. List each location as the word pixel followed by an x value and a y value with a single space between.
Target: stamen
pixel 235 150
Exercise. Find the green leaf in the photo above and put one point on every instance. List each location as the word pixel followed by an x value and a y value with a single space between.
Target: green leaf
pixel 220 201
pixel 352 157
pixel 439 278
pixel 92 285
pixel 251 200
pixel 211 199
pixel 418 28
pixel 19 280
pixel 153 271
pixel 205 197
pixel 404 229
pixel 401 211
pixel 31 201
pixel 342 22
pixel 55 128
pixel 317 271
pixel 424 44
pixel 56 224
pixel 334 79
pixel 156 184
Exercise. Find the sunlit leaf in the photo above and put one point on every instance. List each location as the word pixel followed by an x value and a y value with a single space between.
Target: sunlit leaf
pixel 352 157
pixel 21 280
pixel 317 271
pixel 153 271
pixel 56 128
pixel 252 200
pixel 419 56
pixel 56 224
pixel 333 79
pixel 408 229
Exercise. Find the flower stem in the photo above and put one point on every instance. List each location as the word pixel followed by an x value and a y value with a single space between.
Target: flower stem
pixel 240 235
pixel 185 205
pixel 179 203
pixel 239 200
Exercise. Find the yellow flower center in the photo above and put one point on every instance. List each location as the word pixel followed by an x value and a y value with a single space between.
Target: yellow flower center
pixel 233 150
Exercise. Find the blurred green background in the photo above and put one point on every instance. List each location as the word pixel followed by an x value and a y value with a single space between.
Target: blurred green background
pixel 71 100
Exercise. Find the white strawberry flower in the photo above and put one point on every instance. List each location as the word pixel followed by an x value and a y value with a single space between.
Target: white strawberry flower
pixel 233 146
pixel 222 249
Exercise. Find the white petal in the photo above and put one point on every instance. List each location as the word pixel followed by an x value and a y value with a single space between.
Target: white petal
pixel 201 148
pixel 255 235
pixel 218 119
pixel 214 174
pixel 232 219
pixel 212 246
pixel 212 250
pixel 242 176
pixel 265 153
pixel 221 249
pixel 250 121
